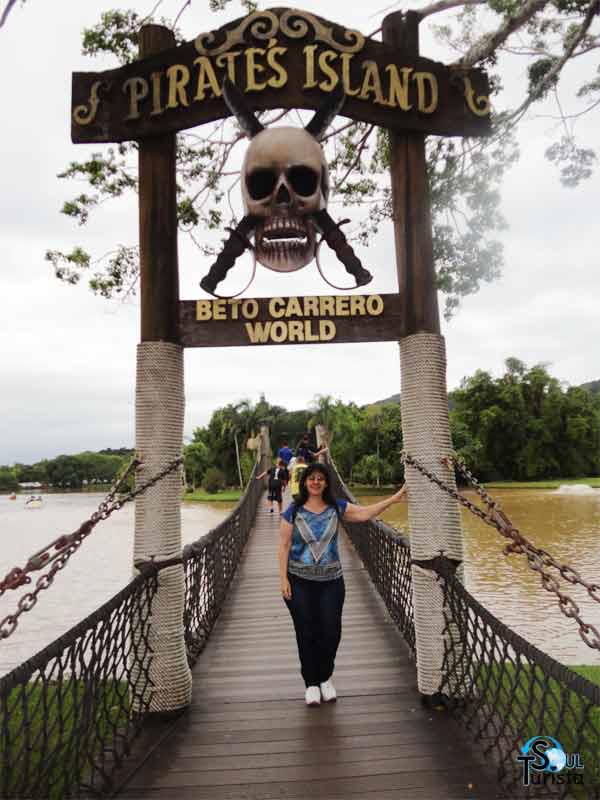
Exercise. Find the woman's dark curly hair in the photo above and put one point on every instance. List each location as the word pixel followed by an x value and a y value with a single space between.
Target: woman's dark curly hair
pixel 328 493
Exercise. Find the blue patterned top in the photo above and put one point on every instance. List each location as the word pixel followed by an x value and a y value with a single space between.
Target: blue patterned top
pixel 314 553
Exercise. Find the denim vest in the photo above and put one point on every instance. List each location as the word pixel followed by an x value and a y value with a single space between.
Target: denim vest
pixel 314 553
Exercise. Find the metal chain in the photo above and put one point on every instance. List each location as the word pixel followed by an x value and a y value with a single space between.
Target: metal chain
pixel 59 551
pixel 537 558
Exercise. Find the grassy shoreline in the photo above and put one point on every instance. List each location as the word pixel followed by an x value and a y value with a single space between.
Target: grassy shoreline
pixel 226 496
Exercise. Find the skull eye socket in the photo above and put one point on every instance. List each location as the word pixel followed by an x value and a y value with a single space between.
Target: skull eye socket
pixel 303 180
pixel 261 183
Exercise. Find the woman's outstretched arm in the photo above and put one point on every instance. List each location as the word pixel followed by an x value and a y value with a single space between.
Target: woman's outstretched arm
pixel 359 513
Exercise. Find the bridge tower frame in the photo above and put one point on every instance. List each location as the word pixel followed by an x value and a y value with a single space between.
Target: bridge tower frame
pixel 147 101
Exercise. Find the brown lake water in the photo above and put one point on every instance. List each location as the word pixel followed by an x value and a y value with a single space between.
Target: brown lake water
pixel 564 522
pixel 97 571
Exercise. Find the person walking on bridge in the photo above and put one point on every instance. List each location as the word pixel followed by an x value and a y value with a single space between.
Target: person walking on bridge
pixel 312 583
pixel 305 450
pixel 285 453
pixel 278 480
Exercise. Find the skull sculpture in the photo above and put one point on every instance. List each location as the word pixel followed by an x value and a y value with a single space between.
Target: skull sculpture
pixel 285 186
pixel 284 181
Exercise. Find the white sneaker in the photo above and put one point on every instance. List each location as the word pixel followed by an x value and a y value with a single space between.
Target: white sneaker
pixel 312 696
pixel 328 692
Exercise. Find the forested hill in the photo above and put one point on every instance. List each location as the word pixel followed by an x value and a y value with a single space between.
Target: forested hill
pixel 395 398
pixel 524 425
pixel 592 386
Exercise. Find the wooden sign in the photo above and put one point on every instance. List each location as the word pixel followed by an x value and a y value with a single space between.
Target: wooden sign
pixel 290 320
pixel 281 58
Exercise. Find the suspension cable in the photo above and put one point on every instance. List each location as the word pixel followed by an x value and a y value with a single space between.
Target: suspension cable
pixel 537 558
pixel 59 551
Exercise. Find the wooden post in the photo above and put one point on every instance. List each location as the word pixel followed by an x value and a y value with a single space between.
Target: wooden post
pixel 159 280
pixel 434 517
pixel 265 457
pixel 160 405
pixel 410 197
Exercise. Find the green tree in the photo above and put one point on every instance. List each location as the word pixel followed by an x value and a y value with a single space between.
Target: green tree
pixel 289 427
pixel 579 449
pixel 382 435
pixel 525 426
pixel 195 460
pixel 248 460
pixel 324 411
pixel 372 470
pixel 32 473
pixel 8 479
pixel 347 420
pixel 213 481
pixel 465 178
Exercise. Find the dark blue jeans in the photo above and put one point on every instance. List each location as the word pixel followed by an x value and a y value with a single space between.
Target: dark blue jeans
pixel 316 609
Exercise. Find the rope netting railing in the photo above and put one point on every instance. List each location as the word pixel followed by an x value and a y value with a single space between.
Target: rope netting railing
pixel 69 715
pixel 210 565
pixel 385 552
pixel 505 691
pixel 502 689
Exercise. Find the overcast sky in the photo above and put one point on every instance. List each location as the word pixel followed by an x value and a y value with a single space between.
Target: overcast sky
pixel 68 358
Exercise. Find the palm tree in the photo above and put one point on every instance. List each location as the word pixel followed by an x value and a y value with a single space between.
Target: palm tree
pixel 232 425
pixel 324 412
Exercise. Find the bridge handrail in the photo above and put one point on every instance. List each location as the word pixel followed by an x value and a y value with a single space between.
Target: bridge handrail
pixel 69 713
pixel 210 564
pixel 499 686
pixel 385 552
pixel 505 690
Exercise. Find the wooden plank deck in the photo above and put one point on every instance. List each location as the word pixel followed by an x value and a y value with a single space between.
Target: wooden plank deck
pixel 248 733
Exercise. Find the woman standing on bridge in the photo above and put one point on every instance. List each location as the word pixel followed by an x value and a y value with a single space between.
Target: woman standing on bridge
pixel 312 584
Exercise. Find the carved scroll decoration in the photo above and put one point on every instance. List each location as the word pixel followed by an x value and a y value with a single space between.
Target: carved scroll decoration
pixel 86 113
pixel 265 25
pixel 480 105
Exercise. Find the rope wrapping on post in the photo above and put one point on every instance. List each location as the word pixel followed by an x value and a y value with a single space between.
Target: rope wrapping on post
pixel 160 406
pixel 434 516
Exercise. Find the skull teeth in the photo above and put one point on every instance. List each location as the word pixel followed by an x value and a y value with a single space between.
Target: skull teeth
pixel 268 243
pixel 286 229
pixel 285 243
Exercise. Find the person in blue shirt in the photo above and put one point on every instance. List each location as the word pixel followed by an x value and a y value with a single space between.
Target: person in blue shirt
pixel 285 453
pixel 310 571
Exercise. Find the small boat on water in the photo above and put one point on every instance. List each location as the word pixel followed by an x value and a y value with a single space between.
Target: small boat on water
pixel 12 496
pixel 35 501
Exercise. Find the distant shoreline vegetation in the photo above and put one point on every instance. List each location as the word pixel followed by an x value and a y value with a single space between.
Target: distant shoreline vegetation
pixel 85 471
pixel 524 429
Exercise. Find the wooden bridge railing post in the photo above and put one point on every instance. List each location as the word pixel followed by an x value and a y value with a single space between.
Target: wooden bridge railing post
pixel 434 518
pixel 160 402
pixel 265 446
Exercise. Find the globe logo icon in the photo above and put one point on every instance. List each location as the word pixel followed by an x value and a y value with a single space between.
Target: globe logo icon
pixel 557 758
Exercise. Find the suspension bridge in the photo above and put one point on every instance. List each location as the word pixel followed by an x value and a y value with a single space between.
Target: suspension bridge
pixel 79 718
pixel 185 684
